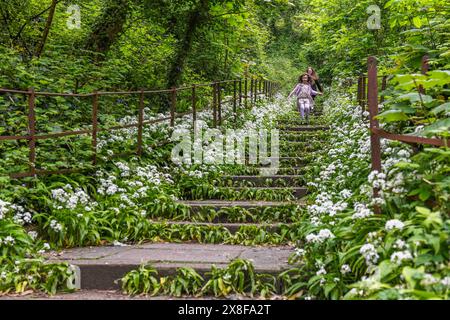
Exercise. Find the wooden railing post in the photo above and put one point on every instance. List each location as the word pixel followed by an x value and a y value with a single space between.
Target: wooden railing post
pixel 251 92
pixel 194 104
pixel 260 87
pixel 246 93
pixel 32 130
pixel 94 127
pixel 256 92
pixel 214 87
pixel 240 93
pixel 235 100
pixel 358 95
pixel 372 97
pixel 219 103
pixel 173 106
pixel 363 93
pixel 140 123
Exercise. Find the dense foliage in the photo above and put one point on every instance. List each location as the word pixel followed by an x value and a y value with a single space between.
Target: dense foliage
pixel 345 251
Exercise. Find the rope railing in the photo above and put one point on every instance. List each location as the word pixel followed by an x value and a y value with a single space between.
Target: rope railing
pixel 243 96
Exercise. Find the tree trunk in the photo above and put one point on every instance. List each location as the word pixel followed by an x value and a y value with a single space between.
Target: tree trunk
pixel 194 21
pixel 48 26
pixel 108 27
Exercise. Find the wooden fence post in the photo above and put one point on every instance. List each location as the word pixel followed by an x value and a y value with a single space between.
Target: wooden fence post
pixel 32 130
pixel 246 92
pixel 364 93
pixel 173 106
pixel 358 95
pixel 94 127
pixel 235 100
pixel 240 93
pixel 372 97
pixel 256 92
pixel 251 92
pixel 194 104
pixel 140 123
pixel 214 86
pixel 219 103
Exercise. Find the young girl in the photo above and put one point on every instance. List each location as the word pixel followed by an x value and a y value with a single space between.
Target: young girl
pixel 304 92
pixel 315 83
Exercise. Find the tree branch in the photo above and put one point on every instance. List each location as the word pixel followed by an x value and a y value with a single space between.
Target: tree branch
pixel 32 18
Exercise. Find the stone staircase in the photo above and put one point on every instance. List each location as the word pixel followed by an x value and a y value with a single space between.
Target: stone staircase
pixel 99 268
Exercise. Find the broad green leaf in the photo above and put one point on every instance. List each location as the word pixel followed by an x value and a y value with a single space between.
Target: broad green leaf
pixel 445 107
pixel 392 115
pixel 423 210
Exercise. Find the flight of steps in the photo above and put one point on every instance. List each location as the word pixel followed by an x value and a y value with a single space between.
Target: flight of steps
pixel 99 267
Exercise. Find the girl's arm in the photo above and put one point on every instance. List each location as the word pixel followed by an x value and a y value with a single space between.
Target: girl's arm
pixel 316 92
pixel 293 91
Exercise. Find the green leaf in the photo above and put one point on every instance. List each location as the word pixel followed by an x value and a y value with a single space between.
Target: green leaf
pixel 392 115
pixel 445 107
pixel 417 22
pixel 415 97
pixel 423 210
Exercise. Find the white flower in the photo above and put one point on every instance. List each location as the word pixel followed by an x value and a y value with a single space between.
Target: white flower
pixel 369 253
pixel 346 194
pixel 321 271
pixel 33 234
pixel 300 252
pixel 323 235
pixel 399 257
pixel 400 244
pixel 345 269
pixel 57 227
pixel 394 224
pixel 361 211
pixel 446 282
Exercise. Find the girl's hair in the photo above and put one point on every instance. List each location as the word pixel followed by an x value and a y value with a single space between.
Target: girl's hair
pixel 314 74
pixel 300 80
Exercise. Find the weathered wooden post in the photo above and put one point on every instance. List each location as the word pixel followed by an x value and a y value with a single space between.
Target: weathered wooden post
pixel 194 104
pixel 251 92
pixel 246 92
pixel 140 123
pixel 173 106
pixel 240 93
pixel 94 127
pixel 372 97
pixel 235 99
pixel 219 102
pixel 32 130
pixel 214 87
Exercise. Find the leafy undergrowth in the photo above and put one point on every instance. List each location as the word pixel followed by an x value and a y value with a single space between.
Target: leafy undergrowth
pixel 239 277
pixel 117 202
pixel 349 252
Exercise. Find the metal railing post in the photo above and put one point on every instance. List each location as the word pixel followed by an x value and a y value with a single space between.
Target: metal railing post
pixel 94 127
pixel 32 130
pixel 140 123
pixel 372 97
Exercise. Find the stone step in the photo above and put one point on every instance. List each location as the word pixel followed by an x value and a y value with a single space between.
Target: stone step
pixel 297 192
pixel 98 268
pixel 233 228
pixel 262 180
pixel 305 128
pixel 221 204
